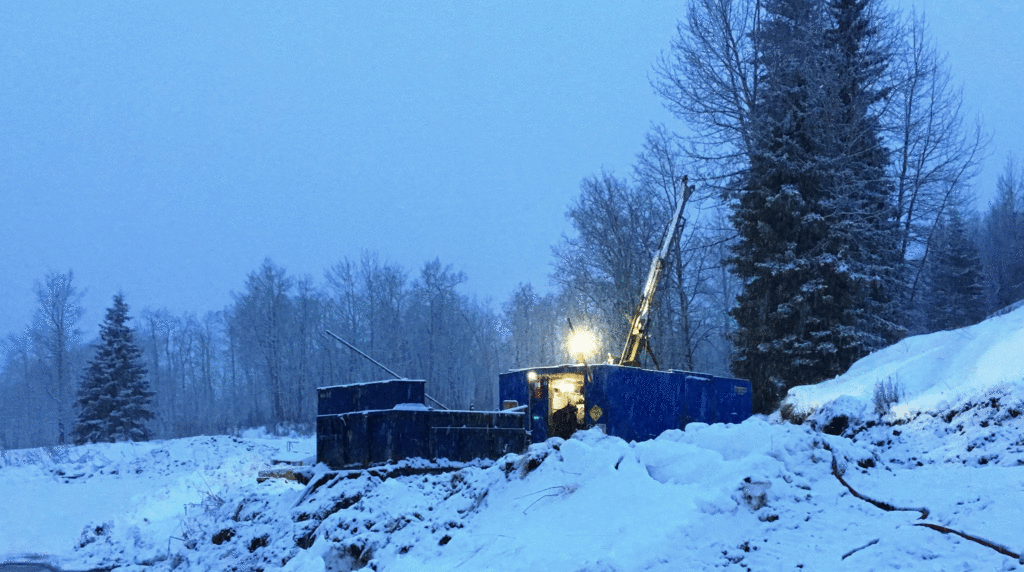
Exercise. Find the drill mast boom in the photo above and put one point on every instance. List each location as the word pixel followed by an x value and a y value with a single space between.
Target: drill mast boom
pixel 636 340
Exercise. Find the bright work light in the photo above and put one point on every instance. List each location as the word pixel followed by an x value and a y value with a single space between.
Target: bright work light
pixel 581 344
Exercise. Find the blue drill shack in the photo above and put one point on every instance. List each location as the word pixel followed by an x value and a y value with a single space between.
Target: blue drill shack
pixel 628 402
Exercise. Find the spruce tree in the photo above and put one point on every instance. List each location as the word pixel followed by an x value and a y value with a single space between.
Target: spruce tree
pixel 777 213
pixel 114 397
pixel 1003 238
pixel 817 248
pixel 863 228
pixel 957 293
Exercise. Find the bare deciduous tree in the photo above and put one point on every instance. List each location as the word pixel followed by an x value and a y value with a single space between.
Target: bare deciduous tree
pixel 936 152
pixel 604 266
pixel 709 79
pixel 56 333
pixel 531 322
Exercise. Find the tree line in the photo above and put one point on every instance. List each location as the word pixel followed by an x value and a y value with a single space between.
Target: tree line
pixel 259 360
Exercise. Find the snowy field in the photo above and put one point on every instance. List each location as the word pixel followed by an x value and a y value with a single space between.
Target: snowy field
pixel 761 495
pixel 141 493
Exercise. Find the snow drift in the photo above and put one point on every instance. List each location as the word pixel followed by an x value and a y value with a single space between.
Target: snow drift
pixel 937 372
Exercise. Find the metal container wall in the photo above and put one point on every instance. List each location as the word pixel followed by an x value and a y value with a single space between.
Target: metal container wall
pixel 361 438
pixel 632 403
pixel 369 396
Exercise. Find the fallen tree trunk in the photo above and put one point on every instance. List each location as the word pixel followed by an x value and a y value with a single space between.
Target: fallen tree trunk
pixel 982 541
pixel 924 514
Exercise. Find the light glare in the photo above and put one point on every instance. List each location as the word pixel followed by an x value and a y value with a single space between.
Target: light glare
pixel 581 344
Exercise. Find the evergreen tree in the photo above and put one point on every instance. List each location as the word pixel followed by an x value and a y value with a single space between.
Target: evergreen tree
pixel 1003 239
pixel 114 397
pixel 776 214
pixel 863 229
pixel 817 248
pixel 957 290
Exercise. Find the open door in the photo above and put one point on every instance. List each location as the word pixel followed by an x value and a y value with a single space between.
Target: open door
pixel 566 406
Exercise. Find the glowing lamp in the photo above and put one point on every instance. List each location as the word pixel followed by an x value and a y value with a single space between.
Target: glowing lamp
pixel 581 344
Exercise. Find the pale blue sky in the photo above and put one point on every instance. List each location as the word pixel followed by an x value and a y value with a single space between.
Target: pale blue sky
pixel 166 148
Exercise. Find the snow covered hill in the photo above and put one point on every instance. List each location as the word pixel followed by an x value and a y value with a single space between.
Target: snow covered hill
pixel 936 484
pixel 937 372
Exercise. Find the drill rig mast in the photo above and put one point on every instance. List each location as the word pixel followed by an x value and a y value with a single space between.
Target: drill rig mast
pixel 637 340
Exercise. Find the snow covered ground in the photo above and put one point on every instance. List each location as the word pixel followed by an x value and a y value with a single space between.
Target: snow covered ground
pixel 761 495
pixel 938 371
pixel 140 493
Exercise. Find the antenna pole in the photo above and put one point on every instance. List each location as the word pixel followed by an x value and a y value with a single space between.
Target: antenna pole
pixel 378 364
pixel 355 349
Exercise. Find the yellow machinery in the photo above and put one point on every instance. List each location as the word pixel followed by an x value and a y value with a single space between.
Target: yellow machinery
pixel 637 340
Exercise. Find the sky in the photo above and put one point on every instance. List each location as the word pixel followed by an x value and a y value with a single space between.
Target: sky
pixel 165 149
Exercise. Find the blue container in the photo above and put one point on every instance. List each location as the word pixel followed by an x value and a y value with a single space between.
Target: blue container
pixel 358 426
pixel 370 396
pixel 632 403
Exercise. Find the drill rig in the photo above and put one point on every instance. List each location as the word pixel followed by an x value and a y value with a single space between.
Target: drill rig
pixel 620 397
pixel 637 340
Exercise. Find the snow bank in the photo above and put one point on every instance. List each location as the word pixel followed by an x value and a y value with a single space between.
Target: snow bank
pixel 937 371
pixel 759 495
pixel 593 502
pixel 134 495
